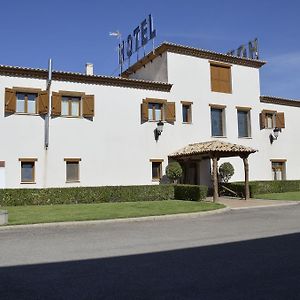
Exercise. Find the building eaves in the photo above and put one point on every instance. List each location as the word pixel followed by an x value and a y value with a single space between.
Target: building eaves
pixel 83 78
pixel 191 51
pixel 280 101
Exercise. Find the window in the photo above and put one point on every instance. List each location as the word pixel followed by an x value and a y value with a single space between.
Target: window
pixel 186 112
pixel 278 169
pixel 157 109
pixel 156 169
pixel 244 128
pixel 70 106
pixel 72 169
pixel 26 101
pixel 220 78
pixel 218 121
pixel 271 119
pixel 27 170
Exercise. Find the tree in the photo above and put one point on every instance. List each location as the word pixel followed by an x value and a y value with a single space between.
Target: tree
pixel 226 170
pixel 174 171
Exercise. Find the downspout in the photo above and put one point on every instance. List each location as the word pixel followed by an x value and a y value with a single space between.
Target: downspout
pixel 49 97
pixel 47 121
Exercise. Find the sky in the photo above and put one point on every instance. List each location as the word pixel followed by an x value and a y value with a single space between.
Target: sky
pixel 74 32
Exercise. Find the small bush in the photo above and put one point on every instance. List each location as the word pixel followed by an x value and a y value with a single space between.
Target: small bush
pixel 190 192
pixel 174 171
pixel 226 171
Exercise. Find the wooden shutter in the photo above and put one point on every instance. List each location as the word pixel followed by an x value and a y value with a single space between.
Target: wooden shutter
pixel 220 79
pixel 56 104
pixel 262 120
pixel 144 111
pixel 170 114
pixel 10 101
pixel 88 103
pixel 280 123
pixel 43 102
pixel 214 75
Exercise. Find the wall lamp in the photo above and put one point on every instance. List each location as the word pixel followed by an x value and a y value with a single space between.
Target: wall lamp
pixel 273 137
pixel 158 130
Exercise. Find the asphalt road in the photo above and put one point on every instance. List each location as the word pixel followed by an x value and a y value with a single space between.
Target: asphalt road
pixel 247 254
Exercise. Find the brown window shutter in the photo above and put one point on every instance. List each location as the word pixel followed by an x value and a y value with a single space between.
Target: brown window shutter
pixel 56 104
pixel 10 101
pixel 262 120
pixel 43 102
pixel 170 114
pixel 88 106
pixel 144 111
pixel 280 123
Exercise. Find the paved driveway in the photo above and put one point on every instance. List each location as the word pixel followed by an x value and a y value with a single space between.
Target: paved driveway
pixel 241 254
pixel 241 203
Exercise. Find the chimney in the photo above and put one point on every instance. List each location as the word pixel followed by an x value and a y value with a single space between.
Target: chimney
pixel 89 69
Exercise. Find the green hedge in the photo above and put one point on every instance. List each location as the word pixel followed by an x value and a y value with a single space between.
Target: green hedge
pixel 190 192
pixel 101 194
pixel 265 187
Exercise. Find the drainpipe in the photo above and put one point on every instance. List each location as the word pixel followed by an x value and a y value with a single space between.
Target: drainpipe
pixel 47 117
pixel 47 122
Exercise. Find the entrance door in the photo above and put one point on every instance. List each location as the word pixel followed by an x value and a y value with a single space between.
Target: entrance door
pixel 191 173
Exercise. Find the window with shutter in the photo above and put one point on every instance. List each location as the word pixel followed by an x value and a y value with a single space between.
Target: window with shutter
pixel 157 110
pixel 220 78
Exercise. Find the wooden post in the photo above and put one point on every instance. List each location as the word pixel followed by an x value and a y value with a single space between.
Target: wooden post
pixel 246 169
pixel 215 179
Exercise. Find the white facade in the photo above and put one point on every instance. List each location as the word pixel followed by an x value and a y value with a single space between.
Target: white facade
pixel 115 147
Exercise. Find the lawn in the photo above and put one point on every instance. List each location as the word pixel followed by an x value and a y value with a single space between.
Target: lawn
pixel 280 196
pixel 102 211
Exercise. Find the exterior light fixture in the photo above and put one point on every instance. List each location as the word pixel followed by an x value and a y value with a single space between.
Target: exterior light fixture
pixel 158 130
pixel 274 136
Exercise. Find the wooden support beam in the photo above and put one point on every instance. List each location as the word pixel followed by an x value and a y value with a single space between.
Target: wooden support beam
pixel 215 179
pixel 246 169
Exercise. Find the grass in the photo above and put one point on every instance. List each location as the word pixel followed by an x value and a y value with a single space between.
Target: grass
pixel 102 211
pixel 280 196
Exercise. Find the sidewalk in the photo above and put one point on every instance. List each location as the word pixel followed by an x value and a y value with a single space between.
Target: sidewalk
pixel 234 203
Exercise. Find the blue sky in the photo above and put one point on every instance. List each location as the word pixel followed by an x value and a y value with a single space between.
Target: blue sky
pixel 75 32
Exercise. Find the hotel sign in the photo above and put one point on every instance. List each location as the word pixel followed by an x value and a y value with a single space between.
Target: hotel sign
pixel 139 37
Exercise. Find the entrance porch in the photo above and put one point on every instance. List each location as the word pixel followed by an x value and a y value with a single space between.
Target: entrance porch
pixel 195 159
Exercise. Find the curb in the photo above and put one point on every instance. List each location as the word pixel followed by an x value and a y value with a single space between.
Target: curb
pixel 121 220
pixel 266 206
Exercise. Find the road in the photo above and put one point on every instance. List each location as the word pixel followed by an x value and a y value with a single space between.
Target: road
pixel 246 254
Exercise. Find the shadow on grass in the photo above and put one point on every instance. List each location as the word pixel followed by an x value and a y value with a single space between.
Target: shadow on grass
pixel 266 268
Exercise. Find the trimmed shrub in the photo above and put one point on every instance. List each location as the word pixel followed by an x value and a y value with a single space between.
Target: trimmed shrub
pixel 265 187
pixel 190 192
pixel 226 171
pixel 101 194
pixel 174 171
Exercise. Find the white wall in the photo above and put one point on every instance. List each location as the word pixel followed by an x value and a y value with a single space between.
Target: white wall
pixel 115 147
pixel 155 70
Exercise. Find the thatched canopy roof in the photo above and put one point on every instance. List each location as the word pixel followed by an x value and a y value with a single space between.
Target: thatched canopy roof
pixel 212 148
